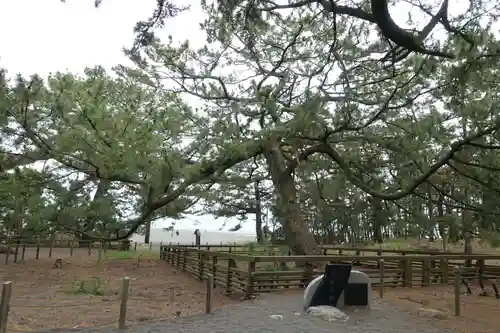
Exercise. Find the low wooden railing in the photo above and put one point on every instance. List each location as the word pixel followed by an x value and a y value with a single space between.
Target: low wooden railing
pixel 59 243
pixel 229 271
pixel 326 249
pixel 254 273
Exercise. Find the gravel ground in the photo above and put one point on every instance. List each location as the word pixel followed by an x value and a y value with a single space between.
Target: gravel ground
pixel 254 317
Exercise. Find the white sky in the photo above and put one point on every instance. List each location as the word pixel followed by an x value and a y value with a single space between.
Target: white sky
pixel 47 36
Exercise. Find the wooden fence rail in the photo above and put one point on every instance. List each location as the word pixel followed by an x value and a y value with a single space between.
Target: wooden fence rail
pixel 254 273
pixel 326 249
pixel 17 252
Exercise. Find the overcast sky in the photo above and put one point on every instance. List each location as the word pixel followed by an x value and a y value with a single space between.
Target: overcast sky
pixel 41 36
pixel 44 35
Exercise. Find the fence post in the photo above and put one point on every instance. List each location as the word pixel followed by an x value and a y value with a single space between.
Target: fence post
pixel 201 266
pixel 7 255
pixel 23 252
pixel 426 277
pixel 214 269
pixel 178 257
pixel 4 305
pixel 209 284
pixel 456 272
pixel 407 277
pixel 358 254
pixel 169 253
pixel 307 275
pixel 229 275
pixel 250 282
pixel 51 248
pixel 17 251
pixel 184 259
pixel 123 302
pixel 166 254
pixel 481 270
pixel 444 270
pixel 37 249
pixel 172 255
pixel 381 285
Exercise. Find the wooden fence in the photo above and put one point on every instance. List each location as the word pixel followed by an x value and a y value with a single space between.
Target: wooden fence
pixel 16 251
pixel 237 271
pixel 61 243
pixel 326 249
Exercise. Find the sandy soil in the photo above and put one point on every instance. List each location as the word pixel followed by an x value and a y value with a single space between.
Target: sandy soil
pixel 479 314
pixel 84 293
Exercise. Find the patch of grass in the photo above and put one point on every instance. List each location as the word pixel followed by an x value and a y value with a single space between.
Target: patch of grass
pixel 485 245
pixel 396 244
pixel 121 254
pixel 132 254
pixel 95 285
pixel 263 249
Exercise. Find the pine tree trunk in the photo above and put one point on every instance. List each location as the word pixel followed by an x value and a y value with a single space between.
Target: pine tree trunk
pixel 296 231
pixel 258 214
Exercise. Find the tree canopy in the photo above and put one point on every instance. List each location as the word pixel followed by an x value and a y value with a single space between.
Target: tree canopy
pixel 313 118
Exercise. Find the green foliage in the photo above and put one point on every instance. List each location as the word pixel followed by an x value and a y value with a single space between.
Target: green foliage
pixel 122 138
pixel 270 268
pixel 298 117
pixel 491 238
pixel 92 286
pixel 251 247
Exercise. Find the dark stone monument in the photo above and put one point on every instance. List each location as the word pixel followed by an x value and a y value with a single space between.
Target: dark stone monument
pixel 339 286
pixel 332 285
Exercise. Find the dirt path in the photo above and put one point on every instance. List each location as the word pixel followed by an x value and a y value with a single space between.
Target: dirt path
pixel 86 294
pixel 254 317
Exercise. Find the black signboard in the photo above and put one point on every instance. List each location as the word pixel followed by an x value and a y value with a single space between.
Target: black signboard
pixel 332 285
pixel 356 294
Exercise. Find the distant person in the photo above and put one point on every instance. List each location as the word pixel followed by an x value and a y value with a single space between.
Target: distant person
pixel 197 235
